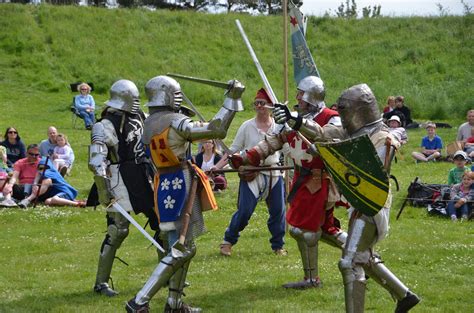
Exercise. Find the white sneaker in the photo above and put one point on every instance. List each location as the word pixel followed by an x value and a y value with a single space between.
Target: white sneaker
pixel 8 203
pixel 24 203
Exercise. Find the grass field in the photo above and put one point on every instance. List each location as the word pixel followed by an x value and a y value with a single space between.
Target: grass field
pixel 48 256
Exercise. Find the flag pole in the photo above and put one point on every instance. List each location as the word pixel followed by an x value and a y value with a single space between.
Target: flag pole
pixel 285 88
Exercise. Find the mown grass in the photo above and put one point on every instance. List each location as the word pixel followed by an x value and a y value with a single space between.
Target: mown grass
pixel 49 255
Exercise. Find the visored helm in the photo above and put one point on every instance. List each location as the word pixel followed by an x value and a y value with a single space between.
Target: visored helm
pixel 357 107
pixel 124 96
pixel 314 91
pixel 163 91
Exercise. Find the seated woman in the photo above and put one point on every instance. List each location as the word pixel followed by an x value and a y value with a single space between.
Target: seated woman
pixel 85 105
pixel 16 149
pixel 206 159
pixel 53 189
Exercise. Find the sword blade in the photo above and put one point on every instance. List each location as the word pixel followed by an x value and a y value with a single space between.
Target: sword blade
pixel 201 80
pixel 257 63
pixel 125 214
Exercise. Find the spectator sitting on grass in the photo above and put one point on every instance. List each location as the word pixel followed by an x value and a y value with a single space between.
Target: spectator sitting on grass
pixel 53 189
pixel 397 130
pixel 390 105
pixel 460 198
pixel 206 159
pixel 455 174
pixel 15 147
pixel 24 171
pixel 431 145
pixel 63 155
pixel 46 146
pixel 465 130
pixel 3 160
pixel 469 145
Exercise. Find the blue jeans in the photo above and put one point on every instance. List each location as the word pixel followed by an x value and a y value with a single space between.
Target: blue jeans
pixel 246 206
pixel 463 209
pixel 88 117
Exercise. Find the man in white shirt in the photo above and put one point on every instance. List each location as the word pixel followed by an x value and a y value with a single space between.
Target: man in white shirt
pixel 255 186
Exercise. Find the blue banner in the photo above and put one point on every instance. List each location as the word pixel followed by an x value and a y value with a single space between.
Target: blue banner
pixel 303 62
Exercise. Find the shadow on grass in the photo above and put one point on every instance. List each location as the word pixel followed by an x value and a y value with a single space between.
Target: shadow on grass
pixel 238 299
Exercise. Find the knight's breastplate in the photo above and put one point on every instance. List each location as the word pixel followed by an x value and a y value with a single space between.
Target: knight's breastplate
pixel 160 151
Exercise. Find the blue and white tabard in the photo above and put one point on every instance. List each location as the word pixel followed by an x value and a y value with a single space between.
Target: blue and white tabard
pixel 171 195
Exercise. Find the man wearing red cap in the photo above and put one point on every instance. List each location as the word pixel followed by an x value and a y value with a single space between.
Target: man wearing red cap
pixel 312 194
pixel 255 186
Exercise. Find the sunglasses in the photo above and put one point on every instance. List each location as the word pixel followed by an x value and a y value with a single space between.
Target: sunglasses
pixel 41 167
pixel 260 103
pixel 83 89
pixel 34 154
pixel 12 132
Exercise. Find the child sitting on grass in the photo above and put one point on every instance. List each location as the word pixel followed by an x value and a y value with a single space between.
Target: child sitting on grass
pixel 62 155
pixel 460 198
pixel 431 145
pixel 455 174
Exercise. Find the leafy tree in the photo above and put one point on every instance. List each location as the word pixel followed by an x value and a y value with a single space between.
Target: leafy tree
pixel 347 11
pixel 467 8
pixel 371 11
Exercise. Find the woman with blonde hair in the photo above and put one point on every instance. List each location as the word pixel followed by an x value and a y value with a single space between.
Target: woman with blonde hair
pixel 85 105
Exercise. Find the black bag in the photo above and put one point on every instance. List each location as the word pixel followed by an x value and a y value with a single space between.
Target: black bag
pixel 420 194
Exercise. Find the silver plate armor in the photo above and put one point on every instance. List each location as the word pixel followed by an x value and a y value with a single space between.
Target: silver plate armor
pixel 357 107
pixel 124 96
pixel 117 231
pixel 217 127
pixel 163 91
pixel 314 91
pixel 98 163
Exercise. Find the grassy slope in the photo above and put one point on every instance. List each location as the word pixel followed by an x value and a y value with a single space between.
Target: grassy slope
pixel 48 255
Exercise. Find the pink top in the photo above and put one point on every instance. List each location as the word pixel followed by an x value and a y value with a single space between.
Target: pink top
pixel 26 170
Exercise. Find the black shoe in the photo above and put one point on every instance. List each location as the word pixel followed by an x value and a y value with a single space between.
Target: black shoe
pixel 185 308
pixel 133 307
pixel 105 290
pixel 63 171
pixel 304 284
pixel 407 303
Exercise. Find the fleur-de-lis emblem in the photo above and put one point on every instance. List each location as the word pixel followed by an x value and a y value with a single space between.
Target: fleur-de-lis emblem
pixel 169 202
pixel 165 185
pixel 177 183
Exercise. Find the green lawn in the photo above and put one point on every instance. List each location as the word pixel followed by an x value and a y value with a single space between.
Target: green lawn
pixel 48 256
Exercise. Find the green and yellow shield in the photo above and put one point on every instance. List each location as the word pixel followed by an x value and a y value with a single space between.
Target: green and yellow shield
pixel 358 172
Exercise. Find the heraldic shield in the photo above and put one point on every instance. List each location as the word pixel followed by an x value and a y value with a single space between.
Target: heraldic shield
pixel 358 172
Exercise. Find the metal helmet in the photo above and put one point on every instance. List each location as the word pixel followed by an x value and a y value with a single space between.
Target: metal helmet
pixel 163 91
pixel 124 96
pixel 357 107
pixel 314 91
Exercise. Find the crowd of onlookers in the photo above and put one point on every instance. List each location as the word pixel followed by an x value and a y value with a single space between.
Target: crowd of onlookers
pixel 36 172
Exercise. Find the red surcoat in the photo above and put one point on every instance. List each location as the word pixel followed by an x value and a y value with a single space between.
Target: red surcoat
pixel 307 208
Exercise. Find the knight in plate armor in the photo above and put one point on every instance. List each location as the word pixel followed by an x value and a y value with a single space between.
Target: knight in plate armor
pixel 360 115
pixel 121 172
pixel 168 134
